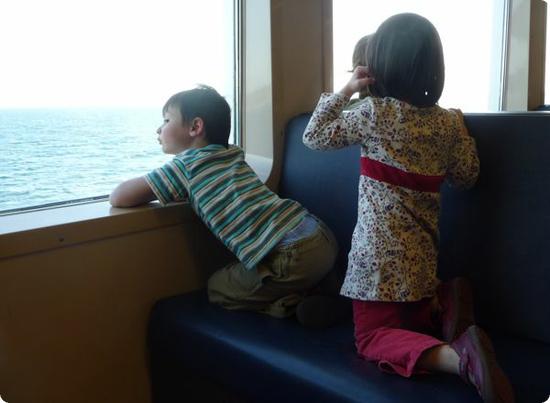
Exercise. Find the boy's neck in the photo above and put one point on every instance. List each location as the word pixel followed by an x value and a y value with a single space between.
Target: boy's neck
pixel 198 143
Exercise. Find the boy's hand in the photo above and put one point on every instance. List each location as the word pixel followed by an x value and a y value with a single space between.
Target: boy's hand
pixel 359 80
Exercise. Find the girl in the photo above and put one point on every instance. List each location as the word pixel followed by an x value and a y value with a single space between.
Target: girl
pixel 409 146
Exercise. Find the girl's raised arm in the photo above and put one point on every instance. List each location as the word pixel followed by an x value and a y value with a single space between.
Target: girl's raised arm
pixel 330 127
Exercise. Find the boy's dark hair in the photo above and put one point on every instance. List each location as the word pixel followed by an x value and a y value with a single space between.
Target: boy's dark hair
pixel 206 103
pixel 359 57
pixel 405 57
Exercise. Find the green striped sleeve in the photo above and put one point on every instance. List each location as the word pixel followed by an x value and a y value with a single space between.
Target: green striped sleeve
pixel 169 183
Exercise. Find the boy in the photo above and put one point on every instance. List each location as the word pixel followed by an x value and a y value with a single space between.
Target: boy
pixel 282 250
pixel 359 58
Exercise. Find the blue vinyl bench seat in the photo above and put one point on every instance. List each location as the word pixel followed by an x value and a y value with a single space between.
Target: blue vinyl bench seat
pixel 497 234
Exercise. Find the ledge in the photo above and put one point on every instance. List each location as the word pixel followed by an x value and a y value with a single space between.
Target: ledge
pixel 38 231
pixel 61 226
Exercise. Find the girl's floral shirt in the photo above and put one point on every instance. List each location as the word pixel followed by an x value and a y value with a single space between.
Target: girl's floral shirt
pixel 394 248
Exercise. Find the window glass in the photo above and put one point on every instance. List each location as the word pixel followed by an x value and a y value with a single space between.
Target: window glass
pixel 471 32
pixel 83 84
pixel 547 59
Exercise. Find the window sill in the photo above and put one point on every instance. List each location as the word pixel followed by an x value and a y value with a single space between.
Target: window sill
pixel 38 231
pixel 57 227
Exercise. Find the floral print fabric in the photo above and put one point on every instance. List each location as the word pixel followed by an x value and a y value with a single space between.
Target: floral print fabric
pixel 394 249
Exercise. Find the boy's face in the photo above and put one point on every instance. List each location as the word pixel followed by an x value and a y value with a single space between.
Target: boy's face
pixel 174 135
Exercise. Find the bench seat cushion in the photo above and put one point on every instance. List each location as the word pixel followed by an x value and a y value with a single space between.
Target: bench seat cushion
pixel 273 360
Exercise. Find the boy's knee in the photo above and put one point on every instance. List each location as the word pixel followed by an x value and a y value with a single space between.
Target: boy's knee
pixel 233 283
pixel 212 288
pixel 217 287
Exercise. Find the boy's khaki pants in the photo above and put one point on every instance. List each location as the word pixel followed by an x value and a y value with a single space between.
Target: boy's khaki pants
pixel 280 281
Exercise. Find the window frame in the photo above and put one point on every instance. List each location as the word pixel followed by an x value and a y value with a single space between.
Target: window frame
pixel 236 118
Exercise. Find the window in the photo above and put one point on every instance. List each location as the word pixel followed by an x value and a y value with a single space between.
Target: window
pixel 471 32
pixel 547 59
pixel 83 84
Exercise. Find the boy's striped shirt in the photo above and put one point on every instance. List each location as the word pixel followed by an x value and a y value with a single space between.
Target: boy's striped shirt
pixel 228 196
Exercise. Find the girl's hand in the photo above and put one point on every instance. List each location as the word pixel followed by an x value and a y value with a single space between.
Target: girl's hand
pixel 359 80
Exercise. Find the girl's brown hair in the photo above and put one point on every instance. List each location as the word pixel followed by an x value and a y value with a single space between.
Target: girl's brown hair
pixel 405 56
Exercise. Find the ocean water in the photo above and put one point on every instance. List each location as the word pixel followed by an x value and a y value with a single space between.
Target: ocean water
pixel 54 155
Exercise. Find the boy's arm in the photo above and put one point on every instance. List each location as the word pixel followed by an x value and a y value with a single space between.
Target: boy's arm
pixel 131 193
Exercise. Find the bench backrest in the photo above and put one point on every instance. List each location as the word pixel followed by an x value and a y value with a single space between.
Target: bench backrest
pixel 497 234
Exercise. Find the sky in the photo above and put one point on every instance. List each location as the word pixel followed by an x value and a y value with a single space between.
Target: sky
pixel 466 31
pixel 60 53
pixel 111 52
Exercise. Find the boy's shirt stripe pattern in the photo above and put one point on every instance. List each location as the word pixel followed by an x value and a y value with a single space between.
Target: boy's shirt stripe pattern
pixel 394 247
pixel 228 196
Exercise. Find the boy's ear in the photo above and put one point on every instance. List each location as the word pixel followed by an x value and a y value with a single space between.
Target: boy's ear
pixel 196 128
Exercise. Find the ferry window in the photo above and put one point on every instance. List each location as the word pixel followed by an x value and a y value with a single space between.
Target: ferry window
pixel 471 32
pixel 83 84
pixel 547 59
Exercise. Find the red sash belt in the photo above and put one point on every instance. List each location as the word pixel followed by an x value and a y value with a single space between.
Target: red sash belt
pixel 395 176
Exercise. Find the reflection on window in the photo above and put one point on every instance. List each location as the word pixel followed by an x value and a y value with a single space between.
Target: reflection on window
pixel 471 32
pixel 83 84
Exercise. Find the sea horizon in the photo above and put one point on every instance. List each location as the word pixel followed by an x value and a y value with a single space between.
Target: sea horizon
pixel 53 154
